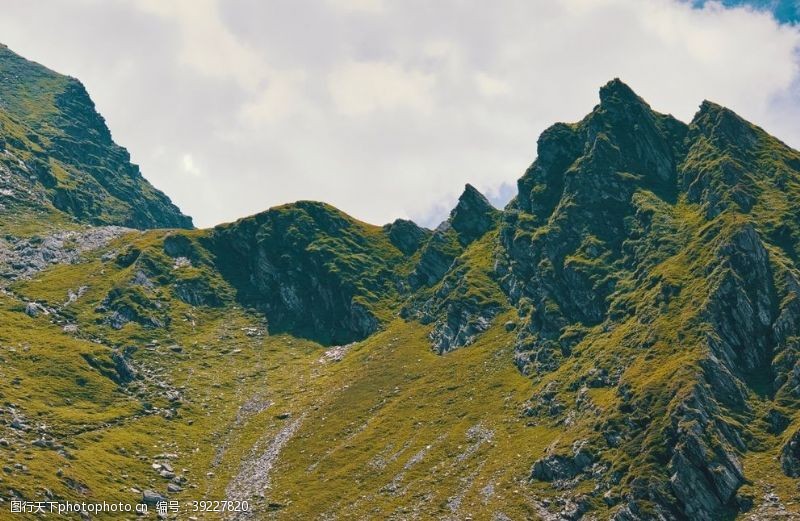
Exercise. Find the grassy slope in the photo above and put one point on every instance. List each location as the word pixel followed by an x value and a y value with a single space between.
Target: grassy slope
pixel 391 431
pixel 390 395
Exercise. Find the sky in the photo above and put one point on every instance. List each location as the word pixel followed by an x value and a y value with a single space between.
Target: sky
pixel 386 108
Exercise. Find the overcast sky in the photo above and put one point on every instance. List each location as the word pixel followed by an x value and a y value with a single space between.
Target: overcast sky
pixel 385 108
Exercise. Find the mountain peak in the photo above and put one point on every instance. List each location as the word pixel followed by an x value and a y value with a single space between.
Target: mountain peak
pixel 473 216
pixel 472 195
pixel 724 125
pixel 646 285
pixel 406 235
pixel 51 130
pixel 616 91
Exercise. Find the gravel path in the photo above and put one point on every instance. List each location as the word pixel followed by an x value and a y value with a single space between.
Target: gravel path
pixel 254 474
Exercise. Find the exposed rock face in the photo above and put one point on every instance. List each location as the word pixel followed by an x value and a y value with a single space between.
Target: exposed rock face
pixel 197 292
pixel 591 245
pixel 709 175
pixel 558 467
pixel 473 216
pixel 646 277
pixel 406 235
pixel 125 371
pixel 463 299
pixel 458 313
pixel 742 307
pixel 75 163
pixel 307 266
pixel 790 456
pixel 565 230
pixel 705 469
pixel 437 256
pixel 459 327
pixel 24 257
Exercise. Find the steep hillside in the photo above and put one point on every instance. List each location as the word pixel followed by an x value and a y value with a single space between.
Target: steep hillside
pixel 621 342
pixel 646 257
pixel 57 156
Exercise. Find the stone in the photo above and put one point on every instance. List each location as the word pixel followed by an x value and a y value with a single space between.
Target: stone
pixel 32 309
pixel 151 498
pixel 556 467
pixel 790 456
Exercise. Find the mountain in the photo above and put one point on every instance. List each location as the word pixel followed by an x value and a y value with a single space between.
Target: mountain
pixel 622 342
pixel 57 155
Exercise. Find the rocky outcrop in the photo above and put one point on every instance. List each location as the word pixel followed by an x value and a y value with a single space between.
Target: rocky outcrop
pixel 131 304
pixel 460 326
pixel 437 256
pixel 197 292
pixel 473 216
pixel 564 233
pixel 463 298
pixel 790 456
pixel 72 157
pixel 458 312
pixel 742 305
pixel 709 175
pixel 309 268
pixel 23 257
pixel 705 471
pixel 406 236
pixel 558 467
pixel 589 247
pixel 123 366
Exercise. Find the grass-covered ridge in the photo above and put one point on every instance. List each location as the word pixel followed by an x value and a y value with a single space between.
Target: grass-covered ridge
pixel 57 154
pixel 621 342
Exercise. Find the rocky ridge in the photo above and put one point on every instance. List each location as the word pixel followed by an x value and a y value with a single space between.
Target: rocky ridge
pixel 57 155
pixel 644 281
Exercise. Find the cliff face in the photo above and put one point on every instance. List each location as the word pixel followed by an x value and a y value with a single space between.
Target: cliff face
pixel 622 341
pixel 634 233
pixel 314 271
pixel 58 153
pixel 648 258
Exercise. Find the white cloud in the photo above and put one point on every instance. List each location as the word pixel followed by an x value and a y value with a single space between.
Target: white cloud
pixel 187 161
pixel 358 88
pixel 366 6
pixel 206 43
pixel 489 86
pixel 278 100
pixel 386 109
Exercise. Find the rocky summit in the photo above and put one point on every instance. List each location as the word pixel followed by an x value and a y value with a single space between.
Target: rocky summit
pixel 621 342
pixel 57 158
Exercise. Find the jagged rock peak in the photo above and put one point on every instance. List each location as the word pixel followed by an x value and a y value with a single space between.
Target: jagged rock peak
pixel 406 235
pixel 617 91
pixel 471 197
pixel 473 216
pixel 722 123
pixel 51 121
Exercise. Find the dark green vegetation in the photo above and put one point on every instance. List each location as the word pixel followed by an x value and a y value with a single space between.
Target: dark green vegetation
pixel 57 156
pixel 621 342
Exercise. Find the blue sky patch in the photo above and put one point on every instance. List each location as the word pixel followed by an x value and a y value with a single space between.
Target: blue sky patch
pixel 785 11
